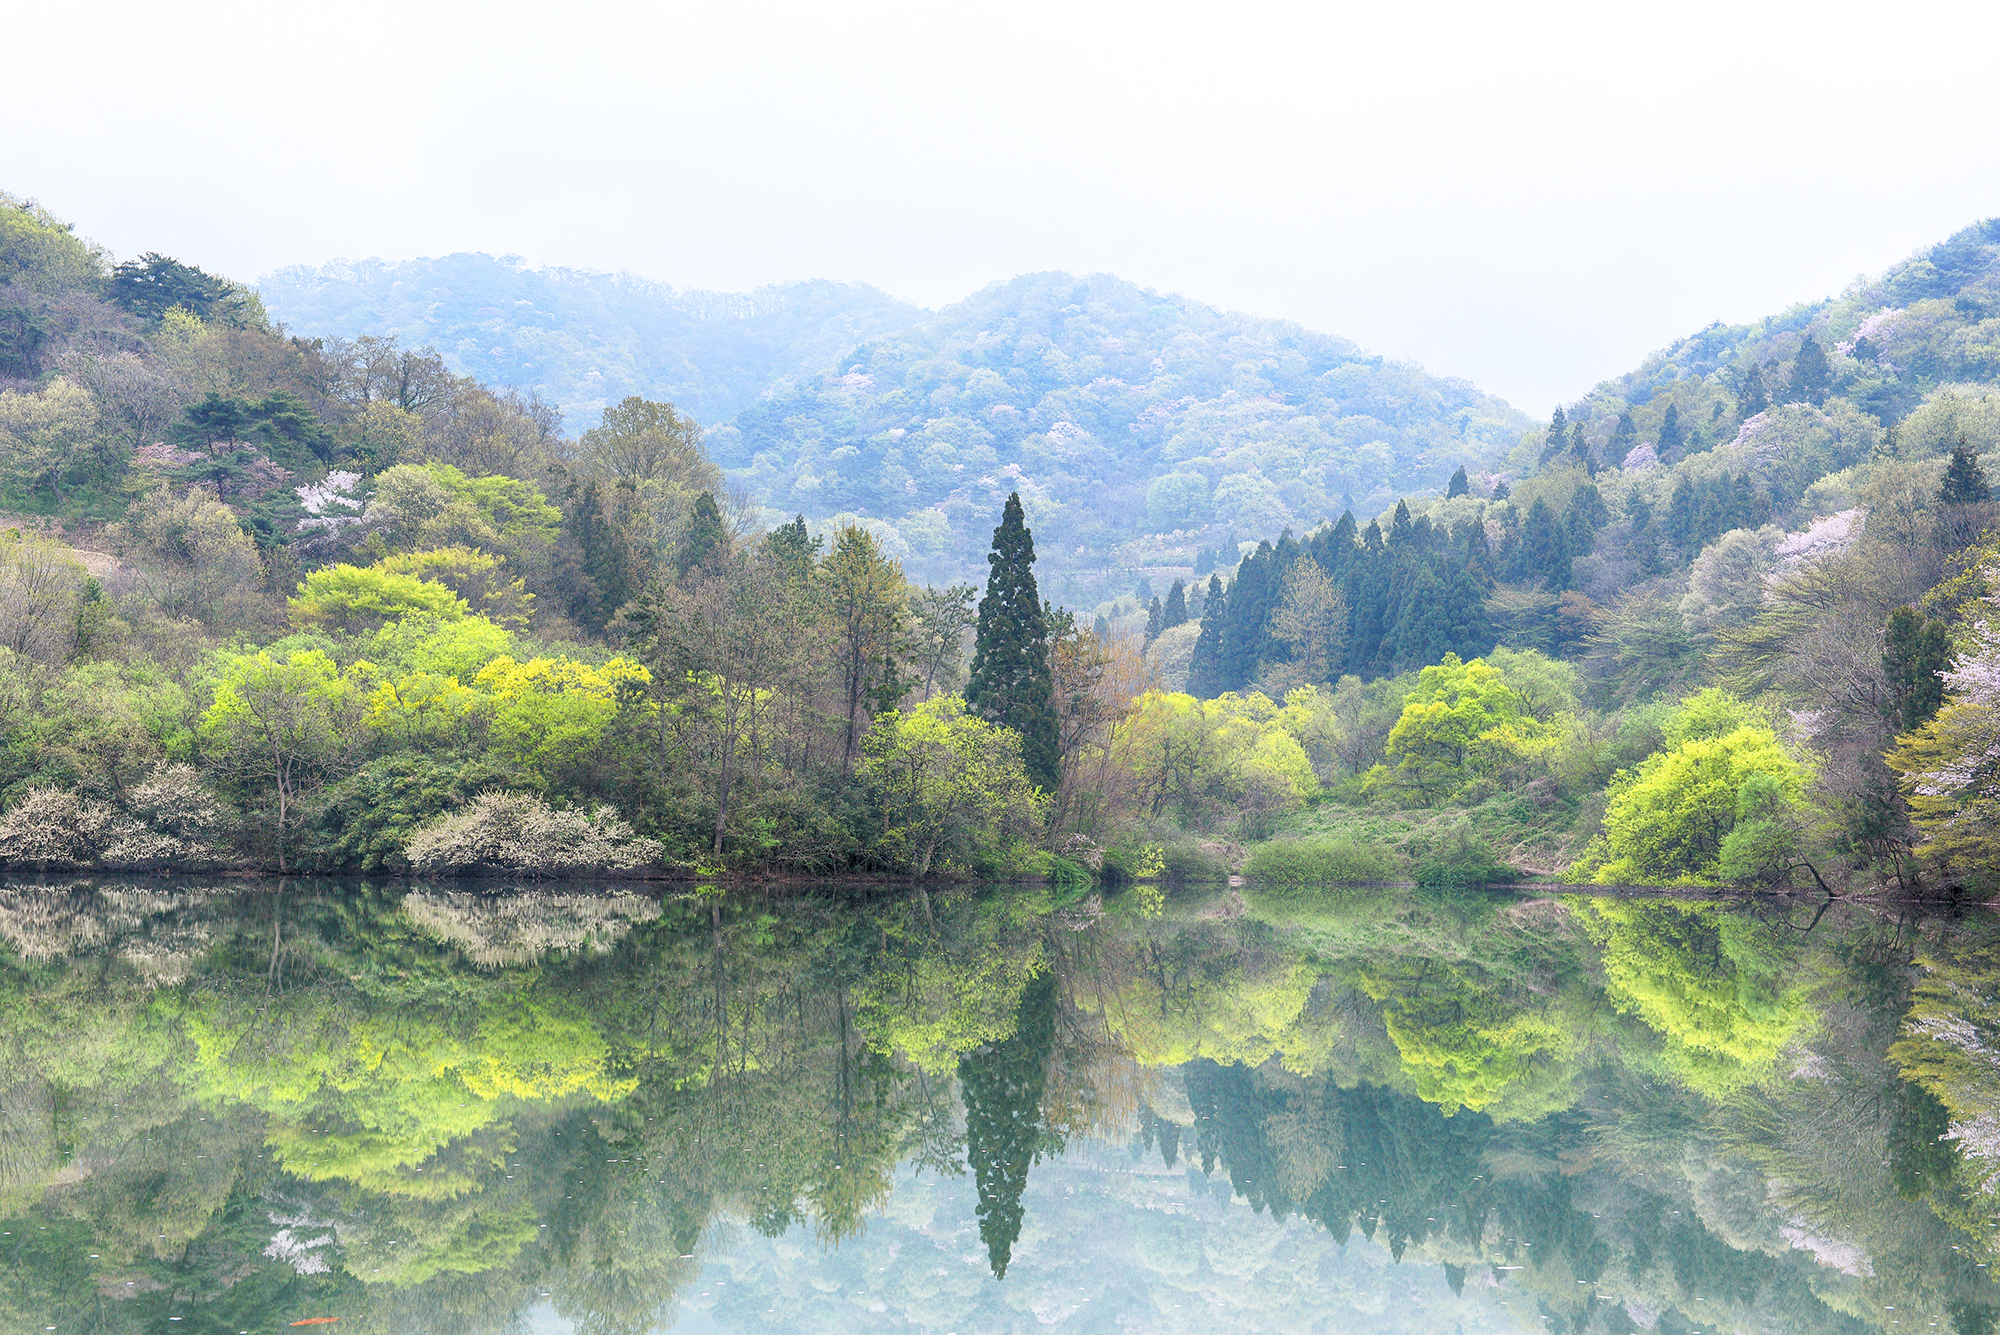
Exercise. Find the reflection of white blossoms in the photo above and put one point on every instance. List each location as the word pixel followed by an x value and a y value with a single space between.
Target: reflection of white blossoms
pixel 508 930
pixel 152 930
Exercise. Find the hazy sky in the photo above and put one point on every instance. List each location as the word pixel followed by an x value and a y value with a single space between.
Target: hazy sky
pixel 1530 196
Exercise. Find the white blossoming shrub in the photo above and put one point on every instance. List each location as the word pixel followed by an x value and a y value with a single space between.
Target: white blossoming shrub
pixel 521 832
pixel 171 821
pixel 53 828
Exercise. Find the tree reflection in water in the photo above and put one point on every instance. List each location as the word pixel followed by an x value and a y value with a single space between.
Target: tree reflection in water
pixel 438 1109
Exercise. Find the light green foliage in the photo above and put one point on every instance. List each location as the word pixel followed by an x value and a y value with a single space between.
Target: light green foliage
pixel 1202 758
pixel 1948 415
pixel 477 577
pixel 548 714
pixel 1462 723
pixel 191 557
pixel 1320 861
pixel 290 722
pixel 42 253
pixel 457 647
pixel 46 439
pixel 1720 990
pixel 1669 820
pixel 947 784
pixel 41 592
pixel 434 505
pixel 357 599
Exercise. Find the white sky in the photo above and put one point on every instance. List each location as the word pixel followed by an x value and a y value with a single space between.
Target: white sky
pixel 1532 196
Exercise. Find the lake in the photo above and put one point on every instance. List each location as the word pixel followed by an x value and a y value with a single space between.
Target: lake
pixel 237 1107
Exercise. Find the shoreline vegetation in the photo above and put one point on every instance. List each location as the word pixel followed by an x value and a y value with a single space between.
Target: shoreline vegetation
pixel 314 605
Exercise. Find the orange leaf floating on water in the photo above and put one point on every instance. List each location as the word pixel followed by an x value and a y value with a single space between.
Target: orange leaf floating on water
pixel 317 1321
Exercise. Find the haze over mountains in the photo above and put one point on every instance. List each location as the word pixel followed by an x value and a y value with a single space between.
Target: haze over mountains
pixel 1141 429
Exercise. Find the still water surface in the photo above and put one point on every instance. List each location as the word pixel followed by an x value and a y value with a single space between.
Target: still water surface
pixel 230 1108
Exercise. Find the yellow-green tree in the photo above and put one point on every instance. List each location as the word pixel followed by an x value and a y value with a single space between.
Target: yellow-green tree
pixel 1462 723
pixel 289 722
pixel 945 781
pixel 354 599
pixel 1671 819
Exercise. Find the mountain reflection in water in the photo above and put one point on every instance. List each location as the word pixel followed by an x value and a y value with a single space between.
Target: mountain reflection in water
pixel 439 1110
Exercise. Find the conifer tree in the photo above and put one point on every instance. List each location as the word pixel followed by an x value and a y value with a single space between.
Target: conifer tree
pixel 1205 667
pixel 1243 632
pixel 1175 612
pixel 1558 436
pixel 706 535
pixel 1101 628
pixel 1964 480
pixel 1011 682
pixel 1623 437
pixel 1671 435
pixel 1002 1086
pixel 1751 397
pixel 1915 653
pixel 1811 376
pixel 1155 620
pixel 1460 484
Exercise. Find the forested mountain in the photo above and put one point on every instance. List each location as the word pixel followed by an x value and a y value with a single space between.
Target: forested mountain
pixel 1140 429
pixel 585 340
pixel 1796 513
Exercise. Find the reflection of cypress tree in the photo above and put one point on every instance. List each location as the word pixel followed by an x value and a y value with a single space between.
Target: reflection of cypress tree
pixel 1002 1087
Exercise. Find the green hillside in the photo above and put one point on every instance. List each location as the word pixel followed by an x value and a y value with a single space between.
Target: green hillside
pixel 584 341
pixel 1140 429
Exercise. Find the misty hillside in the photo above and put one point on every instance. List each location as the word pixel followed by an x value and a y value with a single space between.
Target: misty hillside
pixel 1141 429
pixel 587 340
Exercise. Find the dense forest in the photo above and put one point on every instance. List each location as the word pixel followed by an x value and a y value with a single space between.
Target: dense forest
pixel 1138 428
pixel 321 603
pixel 429 1110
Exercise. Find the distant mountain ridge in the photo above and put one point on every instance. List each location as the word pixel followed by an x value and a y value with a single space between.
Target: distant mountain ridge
pixel 1141 428
pixel 586 340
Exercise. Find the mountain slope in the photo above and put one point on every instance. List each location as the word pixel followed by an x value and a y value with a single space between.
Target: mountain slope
pixel 586 340
pixel 1141 429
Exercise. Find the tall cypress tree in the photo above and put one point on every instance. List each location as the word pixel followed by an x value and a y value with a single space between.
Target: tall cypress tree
pixel 1004 1132
pixel 1175 612
pixel 1459 485
pixel 1011 682
pixel 1155 619
pixel 1249 609
pixel 1671 435
pixel 1205 667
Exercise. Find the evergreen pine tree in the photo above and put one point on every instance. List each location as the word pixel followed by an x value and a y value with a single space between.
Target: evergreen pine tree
pixel 1623 437
pixel 1915 653
pixel 1175 612
pixel 1671 435
pixel 1558 436
pixel 1401 528
pixel 1751 396
pixel 1243 633
pixel 1811 377
pixel 706 535
pixel 1101 628
pixel 793 548
pixel 1005 1134
pixel 1011 683
pixel 1964 480
pixel 1155 620
pixel 1679 525
pixel 1460 484
pixel 1205 667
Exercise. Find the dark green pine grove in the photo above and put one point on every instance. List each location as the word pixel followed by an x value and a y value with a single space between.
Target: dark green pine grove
pixel 1011 681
